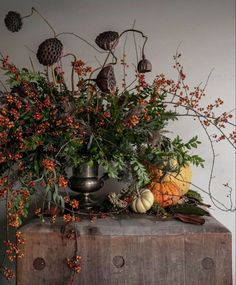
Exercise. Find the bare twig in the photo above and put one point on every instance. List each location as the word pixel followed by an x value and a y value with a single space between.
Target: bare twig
pixel 99 63
pixel 28 48
pixel 32 65
pixel 135 42
pixel 72 71
pixel 3 85
pixel 124 62
pixel 199 115
pixel 45 20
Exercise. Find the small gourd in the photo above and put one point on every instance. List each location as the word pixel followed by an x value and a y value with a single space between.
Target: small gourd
pixel 165 193
pixel 143 201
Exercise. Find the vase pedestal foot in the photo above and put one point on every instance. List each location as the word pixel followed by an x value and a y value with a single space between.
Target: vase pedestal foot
pixel 85 181
pixel 86 202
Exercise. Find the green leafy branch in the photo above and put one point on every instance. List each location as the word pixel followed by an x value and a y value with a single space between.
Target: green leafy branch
pixel 182 151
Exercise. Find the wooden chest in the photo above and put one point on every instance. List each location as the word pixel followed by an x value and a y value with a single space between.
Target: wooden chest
pixel 127 250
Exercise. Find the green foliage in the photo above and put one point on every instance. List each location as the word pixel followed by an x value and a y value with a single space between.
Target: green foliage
pixel 188 209
pixel 191 194
pixel 158 210
pixel 176 149
pixel 140 172
pixel 181 149
pixel 23 75
pixel 121 132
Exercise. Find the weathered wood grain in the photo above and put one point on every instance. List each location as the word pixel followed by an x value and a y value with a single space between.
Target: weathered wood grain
pixel 133 250
pixel 208 259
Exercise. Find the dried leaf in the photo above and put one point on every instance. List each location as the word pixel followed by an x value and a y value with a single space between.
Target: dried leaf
pixel 116 201
pixel 191 219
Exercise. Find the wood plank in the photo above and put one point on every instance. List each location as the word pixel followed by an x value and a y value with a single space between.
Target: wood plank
pixel 128 250
pixel 208 259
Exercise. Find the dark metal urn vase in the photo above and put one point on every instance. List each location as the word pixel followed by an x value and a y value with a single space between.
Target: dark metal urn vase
pixel 85 181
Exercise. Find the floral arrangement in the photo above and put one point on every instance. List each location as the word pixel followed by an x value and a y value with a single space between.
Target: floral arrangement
pixel 48 126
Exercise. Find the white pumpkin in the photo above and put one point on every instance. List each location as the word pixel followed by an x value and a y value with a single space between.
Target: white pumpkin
pixel 142 202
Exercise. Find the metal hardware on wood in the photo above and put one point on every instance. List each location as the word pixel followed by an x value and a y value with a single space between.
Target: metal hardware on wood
pixel 118 261
pixel 208 263
pixel 39 263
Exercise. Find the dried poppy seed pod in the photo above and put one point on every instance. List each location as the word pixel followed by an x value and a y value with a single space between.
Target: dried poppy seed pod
pixel 107 40
pixel 106 79
pixel 49 51
pixel 144 66
pixel 13 21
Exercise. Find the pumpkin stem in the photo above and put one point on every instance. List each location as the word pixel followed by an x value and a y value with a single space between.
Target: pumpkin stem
pixel 162 177
pixel 137 189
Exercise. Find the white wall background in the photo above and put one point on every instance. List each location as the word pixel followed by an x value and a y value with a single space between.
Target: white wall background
pixel 205 27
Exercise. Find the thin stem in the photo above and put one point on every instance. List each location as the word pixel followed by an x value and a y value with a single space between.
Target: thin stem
pixel 230 193
pixel 47 74
pixel 64 145
pixel 130 84
pixel 28 48
pixel 105 61
pixel 97 60
pixel 112 53
pixel 45 20
pixel 213 159
pixel 29 15
pixel 61 69
pixel 124 63
pixel 90 75
pixel 224 209
pixel 79 37
pixel 3 85
pixel 72 72
pixel 53 75
pixel 136 187
pixel 135 42
pixel 208 78
pixel 60 77
pixel 198 115
pixel 32 65
pixel 139 32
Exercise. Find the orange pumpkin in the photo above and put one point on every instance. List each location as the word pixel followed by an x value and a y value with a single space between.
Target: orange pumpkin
pixel 165 193
pixel 182 179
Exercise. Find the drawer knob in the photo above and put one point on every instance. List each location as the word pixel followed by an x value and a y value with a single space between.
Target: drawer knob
pixel 118 261
pixel 208 263
pixel 39 263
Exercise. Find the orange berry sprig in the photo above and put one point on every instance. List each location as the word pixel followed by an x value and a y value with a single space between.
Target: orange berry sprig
pixel 81 69
pixel 182 96
pixel 74 263
pixel 7 272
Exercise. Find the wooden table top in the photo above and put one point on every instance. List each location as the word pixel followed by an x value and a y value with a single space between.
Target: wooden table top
pixel 131 224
